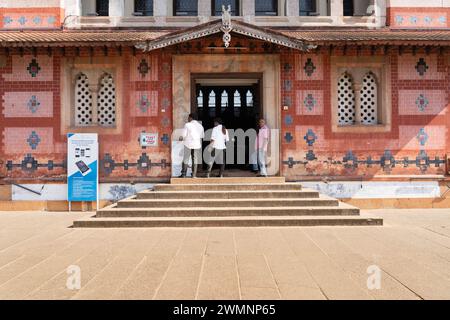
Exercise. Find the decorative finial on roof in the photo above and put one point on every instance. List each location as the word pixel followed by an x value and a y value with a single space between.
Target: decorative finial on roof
pixel 226 25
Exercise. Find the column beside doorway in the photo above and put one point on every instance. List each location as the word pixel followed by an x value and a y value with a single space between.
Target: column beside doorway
pixel 292 8
pixel 337 11
pixel 116 8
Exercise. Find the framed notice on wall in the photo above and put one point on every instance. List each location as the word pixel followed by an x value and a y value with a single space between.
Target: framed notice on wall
pixel 149 139
pixel 82 166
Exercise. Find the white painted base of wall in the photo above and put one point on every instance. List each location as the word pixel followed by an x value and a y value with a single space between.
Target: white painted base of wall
pixel 377 190
pixel 55 192
pixel 340 190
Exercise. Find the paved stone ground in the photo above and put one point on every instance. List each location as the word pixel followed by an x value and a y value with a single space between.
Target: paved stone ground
pixel 412 250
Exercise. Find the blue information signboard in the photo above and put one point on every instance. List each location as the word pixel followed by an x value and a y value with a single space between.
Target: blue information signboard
pixel 82 166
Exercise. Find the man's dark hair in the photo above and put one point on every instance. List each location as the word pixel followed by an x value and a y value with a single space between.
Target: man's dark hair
pixel 193 116
pixel 219 121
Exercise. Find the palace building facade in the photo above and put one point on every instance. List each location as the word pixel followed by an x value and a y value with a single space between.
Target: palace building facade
pixel 356 92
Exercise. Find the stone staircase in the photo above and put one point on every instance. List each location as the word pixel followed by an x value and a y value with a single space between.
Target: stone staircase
pixel 227 202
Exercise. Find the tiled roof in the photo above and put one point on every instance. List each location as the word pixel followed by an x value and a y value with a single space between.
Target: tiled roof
pixel 319 36
pixel 78 38
pixel 372 36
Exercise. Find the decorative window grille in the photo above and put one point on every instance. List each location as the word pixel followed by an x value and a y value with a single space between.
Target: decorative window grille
pixel 249 98
pixel 237 99
pixel 95 107
pixel 346 100
pixel 102 7
pixel 200 99
pixel 143 7
pixel 212 99
pixel 266 7
pixel 107 101
pixel 224 99
pixel 185 7
pixel 369 95
pixel 217 7
pixel 83 101
pixel 307 7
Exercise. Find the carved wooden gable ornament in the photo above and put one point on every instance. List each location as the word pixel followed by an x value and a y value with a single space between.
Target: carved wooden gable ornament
pixel 225 25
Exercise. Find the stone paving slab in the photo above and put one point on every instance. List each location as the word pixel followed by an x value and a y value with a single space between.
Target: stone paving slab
pixel 411 250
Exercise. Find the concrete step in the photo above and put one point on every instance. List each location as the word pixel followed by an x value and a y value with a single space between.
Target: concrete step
pixel 195 222
pixel 228 187
pixel 263 194
pixel 227 203
pixel 340 210
pixel 229 180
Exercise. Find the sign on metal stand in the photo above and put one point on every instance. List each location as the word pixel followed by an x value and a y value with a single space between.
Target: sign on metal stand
pixel 82 167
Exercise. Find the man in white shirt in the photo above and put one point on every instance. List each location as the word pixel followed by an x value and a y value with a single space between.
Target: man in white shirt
pixel 193 134
pixel 219 138
pixel 261 148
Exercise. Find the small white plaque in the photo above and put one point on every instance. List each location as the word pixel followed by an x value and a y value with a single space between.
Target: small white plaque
pixel 149 139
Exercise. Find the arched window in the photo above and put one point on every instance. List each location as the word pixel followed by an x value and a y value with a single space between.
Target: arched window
pixel 346 100
pixel 102 7
pixel 369 100
pixel 266 7
pixel 237 99
pixel 143 7
pixel 200 99
pixel 83 101
pixel 249 98
pixel 212 99
pixel 217 7
pixel 185 7
pixel 107 101
pixel 224 99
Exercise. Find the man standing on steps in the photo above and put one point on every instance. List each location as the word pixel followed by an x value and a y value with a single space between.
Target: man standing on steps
pixel 219 139
pixel 261 146
pixel 193 134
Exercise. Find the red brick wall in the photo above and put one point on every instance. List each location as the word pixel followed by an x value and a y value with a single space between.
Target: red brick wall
pixel 32 144
pixel 416 144
pixel 418 18
pixel 30 117
pixel 31 18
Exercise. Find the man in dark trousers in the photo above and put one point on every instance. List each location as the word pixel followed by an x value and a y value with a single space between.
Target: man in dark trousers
pixel 193 133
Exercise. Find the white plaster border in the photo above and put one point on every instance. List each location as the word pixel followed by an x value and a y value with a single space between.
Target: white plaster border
pixel 340 190
pixel 377 190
